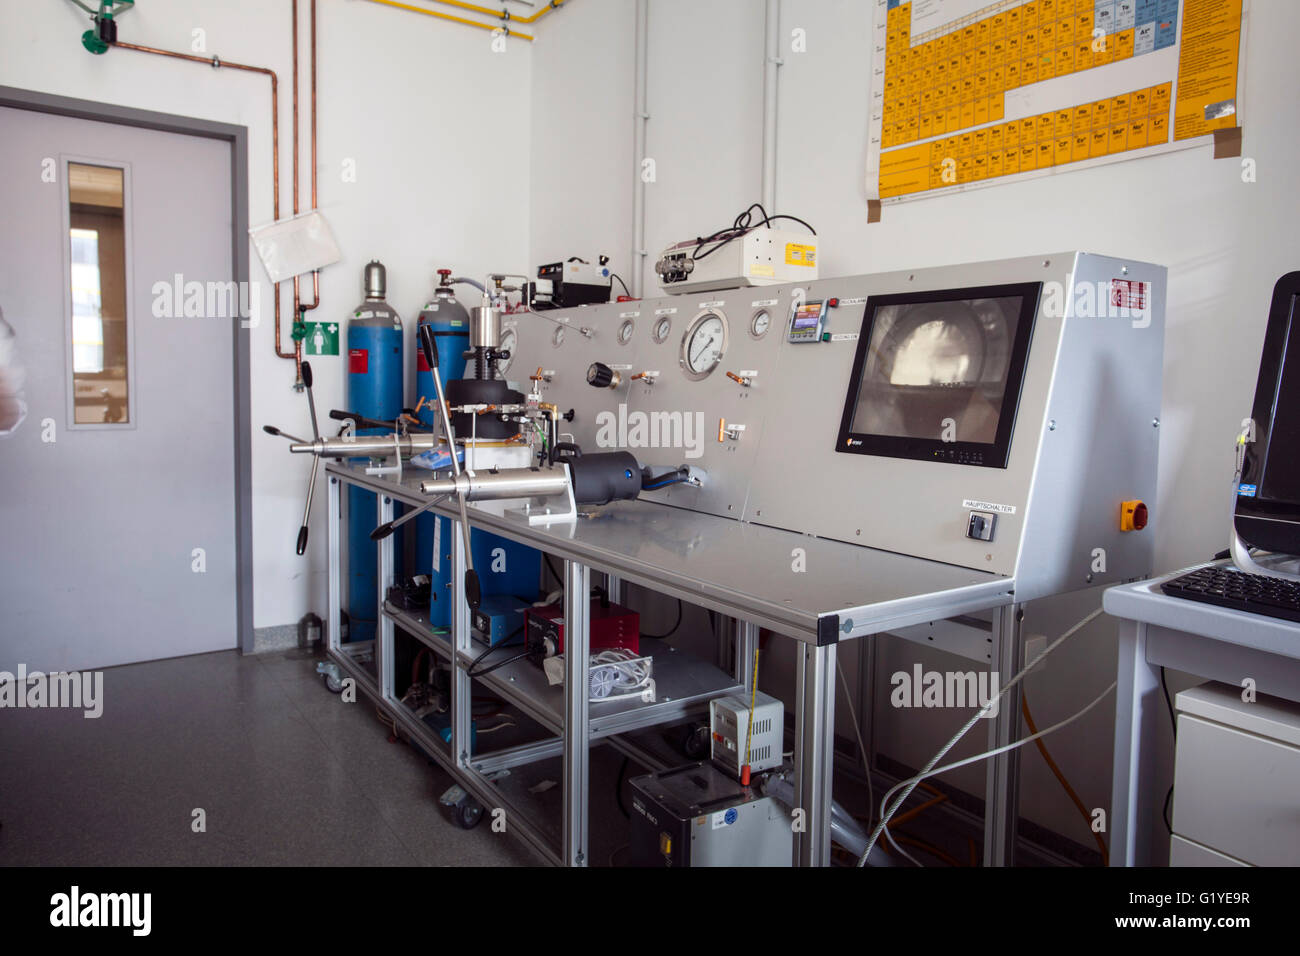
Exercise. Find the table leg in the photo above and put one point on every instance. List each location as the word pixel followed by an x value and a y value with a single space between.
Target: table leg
pixel 577 648
pixel 1138 708
pixel 814 756
pixel 1002 787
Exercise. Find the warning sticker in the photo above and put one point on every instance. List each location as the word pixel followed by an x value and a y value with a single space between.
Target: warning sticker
pixel 1128 294
pixel 800 255
pixel 358 361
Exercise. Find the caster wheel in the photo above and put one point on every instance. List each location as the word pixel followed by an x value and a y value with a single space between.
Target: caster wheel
pixel 332 684
pixel 468 814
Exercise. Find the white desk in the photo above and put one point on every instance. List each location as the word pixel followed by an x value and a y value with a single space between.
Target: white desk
pixel 1210 642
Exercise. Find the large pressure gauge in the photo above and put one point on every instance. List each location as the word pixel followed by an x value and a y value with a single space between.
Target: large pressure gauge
pixel 704 344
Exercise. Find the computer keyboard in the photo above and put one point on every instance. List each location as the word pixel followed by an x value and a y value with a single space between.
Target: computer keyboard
pixel 1228 587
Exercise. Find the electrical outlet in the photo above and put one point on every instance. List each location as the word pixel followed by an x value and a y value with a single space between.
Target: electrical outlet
pixel 1035 644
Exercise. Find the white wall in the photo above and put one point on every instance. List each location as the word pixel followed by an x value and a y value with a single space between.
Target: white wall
pixel 402 95
pixel 1224 241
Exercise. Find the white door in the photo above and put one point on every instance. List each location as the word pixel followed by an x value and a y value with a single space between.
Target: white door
pixel 117 491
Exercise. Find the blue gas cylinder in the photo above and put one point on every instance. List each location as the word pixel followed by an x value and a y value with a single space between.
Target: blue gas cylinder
pixel 450 324
pixel 374 391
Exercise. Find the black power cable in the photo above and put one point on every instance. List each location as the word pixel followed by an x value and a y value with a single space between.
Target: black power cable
pixel 473 671
pixel 743 224
pixel 664 637
pixel 1169 796
pixel 615 275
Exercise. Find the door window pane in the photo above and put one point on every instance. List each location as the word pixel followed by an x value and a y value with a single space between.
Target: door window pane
pixel 97 238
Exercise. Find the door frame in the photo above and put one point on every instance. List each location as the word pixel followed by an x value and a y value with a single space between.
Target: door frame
pixel 241 338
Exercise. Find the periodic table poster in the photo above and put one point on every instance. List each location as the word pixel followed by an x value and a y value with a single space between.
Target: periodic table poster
pixel 974 92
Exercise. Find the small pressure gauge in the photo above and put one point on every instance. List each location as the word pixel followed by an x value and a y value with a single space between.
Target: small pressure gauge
pixel 625 331
pixel 703 344
pixel 509 342
pixel 760 323
pixel 558 338
pixel 663 325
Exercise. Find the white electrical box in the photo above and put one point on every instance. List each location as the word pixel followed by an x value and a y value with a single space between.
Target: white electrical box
pixel 759 257
pixel 729 726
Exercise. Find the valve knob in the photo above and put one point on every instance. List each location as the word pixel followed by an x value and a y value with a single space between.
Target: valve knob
pixel 600 375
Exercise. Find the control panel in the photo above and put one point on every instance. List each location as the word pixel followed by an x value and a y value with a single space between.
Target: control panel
pixel 945 413
pixel 807 320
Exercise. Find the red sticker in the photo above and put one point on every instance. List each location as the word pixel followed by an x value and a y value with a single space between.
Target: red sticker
pixel 359 361
pixel 420 363
pixel 1128 294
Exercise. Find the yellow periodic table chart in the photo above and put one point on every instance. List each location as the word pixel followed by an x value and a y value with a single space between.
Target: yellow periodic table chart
pixel 966 92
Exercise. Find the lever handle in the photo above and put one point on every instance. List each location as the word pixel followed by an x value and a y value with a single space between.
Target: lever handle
pixel 429 344
pixel 473 594
pixel 302 540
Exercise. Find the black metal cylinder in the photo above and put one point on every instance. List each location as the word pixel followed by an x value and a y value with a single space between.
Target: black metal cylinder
pixel 599 479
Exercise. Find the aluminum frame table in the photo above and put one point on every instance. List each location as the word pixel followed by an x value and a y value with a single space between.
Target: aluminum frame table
pixel 744 571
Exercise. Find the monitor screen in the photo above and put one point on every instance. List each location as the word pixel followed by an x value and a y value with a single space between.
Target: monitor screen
pixel 806 316
pixel 1268 496
pixel 1281 479
pixel 937 375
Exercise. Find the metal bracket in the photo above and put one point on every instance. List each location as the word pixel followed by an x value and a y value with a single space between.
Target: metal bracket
pixel 543 513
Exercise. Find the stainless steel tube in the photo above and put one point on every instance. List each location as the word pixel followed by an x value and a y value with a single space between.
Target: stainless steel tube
pixel 508 483
pixel 368 446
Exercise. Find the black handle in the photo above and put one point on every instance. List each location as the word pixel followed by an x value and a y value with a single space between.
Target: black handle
pixel 429 344
pixel 306 374
pixel 473 595
pixel 271 430
pixel 361 421
pixel 382 532
pixel 600 375
pixel 302 540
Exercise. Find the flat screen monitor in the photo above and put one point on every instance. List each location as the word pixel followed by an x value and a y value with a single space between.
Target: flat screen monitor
pixel 938 375
pixel 1268 495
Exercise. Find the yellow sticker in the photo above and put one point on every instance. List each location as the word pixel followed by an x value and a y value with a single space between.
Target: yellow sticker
pixel 760 270
pixel 799 255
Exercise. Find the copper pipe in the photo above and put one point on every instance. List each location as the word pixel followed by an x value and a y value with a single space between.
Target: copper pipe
pixel 298 305
pixel 315 274
pixel 216 62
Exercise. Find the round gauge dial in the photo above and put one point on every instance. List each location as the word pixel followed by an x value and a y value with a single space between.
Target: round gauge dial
pixel 509 343
pixel 760 323
pixel 703 344
pixel 558 338
pixel 663 325
pixel 625 331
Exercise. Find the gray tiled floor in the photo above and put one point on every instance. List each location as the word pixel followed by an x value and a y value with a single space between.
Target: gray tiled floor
pixel 286 773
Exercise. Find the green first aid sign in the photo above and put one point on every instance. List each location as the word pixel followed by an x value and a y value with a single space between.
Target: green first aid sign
pixel 322 339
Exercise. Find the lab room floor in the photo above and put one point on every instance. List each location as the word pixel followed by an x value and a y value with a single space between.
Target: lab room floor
pixel 283 772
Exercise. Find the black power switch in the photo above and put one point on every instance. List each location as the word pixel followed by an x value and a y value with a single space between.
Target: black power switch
pixel 980 526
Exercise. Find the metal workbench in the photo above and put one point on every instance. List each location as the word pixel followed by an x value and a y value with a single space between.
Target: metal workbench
pixel 744 571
